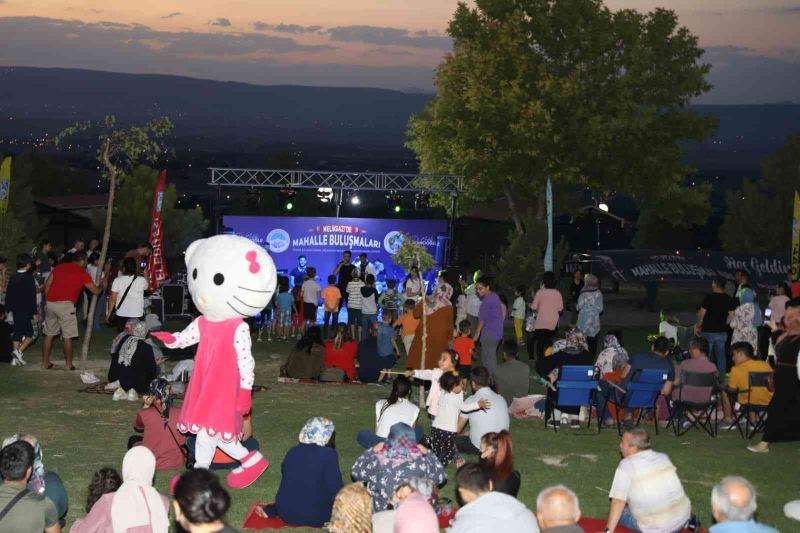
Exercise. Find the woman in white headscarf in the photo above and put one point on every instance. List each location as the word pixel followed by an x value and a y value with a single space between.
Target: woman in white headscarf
pixel 136 507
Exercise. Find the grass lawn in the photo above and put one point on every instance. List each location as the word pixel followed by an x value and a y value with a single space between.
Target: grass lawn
pixel 81 433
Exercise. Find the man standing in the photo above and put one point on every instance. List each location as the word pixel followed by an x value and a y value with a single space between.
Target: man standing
pixel 494 419
pixel 365 267
pixel 646 494
pixel 77 246
pixel 141 255
pixel 345 272
pixel 490 323
pixel 62 289
pixel 26 511
pixel 733 504
pixel 311 293
pixel 558 510
pixel 473 300
pixel 712 323
pixel 21 302
pixel 42 259
pixel 298 274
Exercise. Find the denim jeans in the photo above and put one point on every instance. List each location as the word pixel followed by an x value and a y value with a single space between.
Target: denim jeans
pixel 329 318
pixel 366 323
pixel 627 520
pixel 716 343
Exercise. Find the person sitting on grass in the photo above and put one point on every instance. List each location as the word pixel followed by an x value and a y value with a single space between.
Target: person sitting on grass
pixel 26 511
pixel 513 377
pixel 558 510
pixel 646 494
pixel 388 412
pixel 134 362
pixel 201 502
pixel 310 477
pixel 419 489
pixel 486 511
pixel 341 351
pixel 733 504
pixel 445 425
pixel 98 517
pixel 370 364
pixel 387 465
pixel 352 511
pixel 481 422
pixel 307 358
pixel 43 481
pixel 739 380
pixel 498 458
pixel 157 421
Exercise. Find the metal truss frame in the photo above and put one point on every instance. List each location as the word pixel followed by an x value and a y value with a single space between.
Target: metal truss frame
pixel 355 181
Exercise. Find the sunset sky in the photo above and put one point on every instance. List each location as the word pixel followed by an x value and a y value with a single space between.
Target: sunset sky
pixel 753 45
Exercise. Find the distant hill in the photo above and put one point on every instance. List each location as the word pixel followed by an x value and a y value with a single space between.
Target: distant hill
pixel 238 116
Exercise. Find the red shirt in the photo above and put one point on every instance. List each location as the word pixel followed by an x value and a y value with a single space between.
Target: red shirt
pixel 68 281
pixel 344 357
pixel 157 437
pixel 796 289
pixel 463 346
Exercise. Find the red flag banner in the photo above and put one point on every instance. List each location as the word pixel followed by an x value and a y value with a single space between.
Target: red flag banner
pixel 157 265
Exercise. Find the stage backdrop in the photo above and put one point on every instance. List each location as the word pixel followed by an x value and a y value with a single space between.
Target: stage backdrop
pixel 322 240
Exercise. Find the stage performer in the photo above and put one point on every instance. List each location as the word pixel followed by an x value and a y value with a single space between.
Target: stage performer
pixel 230 278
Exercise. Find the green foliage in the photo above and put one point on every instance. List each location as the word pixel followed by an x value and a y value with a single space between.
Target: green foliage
pixel 20 203
pixel 522 260
pixel 411 253
pixel 48 176
pixel 15 239
pixel 133 212
pixel 671 222
pixel 566 89
pixel 758 217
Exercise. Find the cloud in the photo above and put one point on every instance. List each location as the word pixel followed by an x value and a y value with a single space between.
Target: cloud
pixel 172 15
pixel 285 28
pixel 388 36
pixel 222 21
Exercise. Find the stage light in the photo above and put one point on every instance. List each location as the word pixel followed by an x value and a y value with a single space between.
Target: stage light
pixel 355 200
pixel 422 200
pixel 325 194
pixel 289 206
pixel 397 209
pixel 602 206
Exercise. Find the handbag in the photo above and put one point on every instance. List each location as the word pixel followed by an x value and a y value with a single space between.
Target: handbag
pixel 113 316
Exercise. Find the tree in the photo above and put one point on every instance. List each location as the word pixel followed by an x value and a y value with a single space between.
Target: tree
pixel 15 239
pixel 21 203
pixel 181 226
pixel 120 148
pixel 565 89
pixel 758 216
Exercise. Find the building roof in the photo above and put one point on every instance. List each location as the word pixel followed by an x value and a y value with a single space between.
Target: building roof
pixel 75 202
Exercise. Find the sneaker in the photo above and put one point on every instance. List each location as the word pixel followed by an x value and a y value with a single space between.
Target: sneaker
pixel 18 358
pixel 553 424
pixel 726 425
pixel 114 385
pixel 575 424
pixel 119 394
pixel 15 362
pixel 132 396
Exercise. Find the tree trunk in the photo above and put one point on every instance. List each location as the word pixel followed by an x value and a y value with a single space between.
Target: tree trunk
pixel 512 206
pixel 112 187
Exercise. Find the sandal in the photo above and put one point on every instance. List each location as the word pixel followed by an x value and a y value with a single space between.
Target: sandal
pixel 49 366
pixel 70 367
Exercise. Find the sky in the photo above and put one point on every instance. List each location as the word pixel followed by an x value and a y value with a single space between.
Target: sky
pixel 753 45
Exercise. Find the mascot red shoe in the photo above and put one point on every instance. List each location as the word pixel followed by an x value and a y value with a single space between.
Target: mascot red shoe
pixel 230 278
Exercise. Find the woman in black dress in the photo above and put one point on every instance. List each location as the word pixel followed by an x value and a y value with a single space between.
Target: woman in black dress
pixel 783 413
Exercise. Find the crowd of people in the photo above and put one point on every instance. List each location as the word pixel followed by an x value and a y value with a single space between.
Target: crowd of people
pixel 444 330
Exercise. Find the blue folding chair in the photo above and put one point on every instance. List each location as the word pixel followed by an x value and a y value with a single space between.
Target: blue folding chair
pixel 576 386
pixel 641 393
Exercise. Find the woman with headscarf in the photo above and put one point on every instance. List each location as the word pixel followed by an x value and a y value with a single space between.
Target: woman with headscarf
pixel 590 305
pixel 572 350
pixel 743 320
pixel 352 511
pixel 387 465
pixel 437 327
pixel 613 357
pixel 42 481
pixel 133 362
pixel 158 423
pixel 417 517
pixel 310 477
pixel 135 507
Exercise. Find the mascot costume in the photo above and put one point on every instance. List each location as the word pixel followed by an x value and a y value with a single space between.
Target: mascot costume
pixel 230 278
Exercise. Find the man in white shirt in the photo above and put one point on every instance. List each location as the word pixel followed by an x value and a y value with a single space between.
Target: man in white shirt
pixel 485 511
pixel 365 267
pixel 646 494
pixel 311 293
pixel 481 422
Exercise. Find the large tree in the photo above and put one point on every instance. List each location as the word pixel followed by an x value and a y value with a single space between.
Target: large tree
pixel 758 218
pixel 565 89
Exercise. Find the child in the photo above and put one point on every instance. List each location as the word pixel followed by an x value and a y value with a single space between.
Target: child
pixel 311 293
pixel 21 302
pixel 354 304
pixel 267 322
pixel 448 362
pixel 464 346
pixel 461 307
pixel 284 307
pixel 369 305
pixel 387 346
pixel 445 426
pixel 6 347
pixel 297 311
pixel 391 300
pixel 518 313
pixel 408 323
pixel 332 299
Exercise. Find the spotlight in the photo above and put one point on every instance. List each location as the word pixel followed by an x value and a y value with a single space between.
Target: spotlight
pixel 325 194
pixel 355 200
pixel 394 199
pixel 289 206
pixel 422 200
pixel 397 209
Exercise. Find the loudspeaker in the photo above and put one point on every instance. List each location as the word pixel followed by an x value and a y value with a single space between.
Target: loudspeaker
pixel 157 308
pixel 173 299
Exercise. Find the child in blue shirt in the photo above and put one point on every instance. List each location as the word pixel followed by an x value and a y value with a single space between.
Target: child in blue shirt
pixel 387 346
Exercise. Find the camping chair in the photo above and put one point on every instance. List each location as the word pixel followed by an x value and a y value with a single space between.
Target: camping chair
pixel 576 386
pixel 641 393
pixel 754 379
pixel 703 413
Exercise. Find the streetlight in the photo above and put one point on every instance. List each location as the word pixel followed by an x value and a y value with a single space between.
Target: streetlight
pixel 602 206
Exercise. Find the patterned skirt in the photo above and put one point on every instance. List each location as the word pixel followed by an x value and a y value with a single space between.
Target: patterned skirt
pixel 443 444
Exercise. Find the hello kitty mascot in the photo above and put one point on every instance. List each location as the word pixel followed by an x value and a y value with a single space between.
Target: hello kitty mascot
pixel 230 278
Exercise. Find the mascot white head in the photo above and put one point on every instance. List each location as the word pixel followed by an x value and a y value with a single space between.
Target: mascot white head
pixel 229 277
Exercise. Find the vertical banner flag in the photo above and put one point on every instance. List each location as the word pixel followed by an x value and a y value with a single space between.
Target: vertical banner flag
pixel 157 265
pixel 548 254
pixel 795 255
pixel 5 184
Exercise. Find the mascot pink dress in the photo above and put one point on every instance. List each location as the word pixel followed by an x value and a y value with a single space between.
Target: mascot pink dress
pixel 230 278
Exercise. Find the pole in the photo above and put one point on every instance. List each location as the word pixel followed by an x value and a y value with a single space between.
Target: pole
pixel 597 223
pixel 217 210
pixel 338 201
pixel 451 231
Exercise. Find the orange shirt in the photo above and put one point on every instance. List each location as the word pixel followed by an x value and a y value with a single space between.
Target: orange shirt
pixel 331 296
pixel 408 322
pixel 464 345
